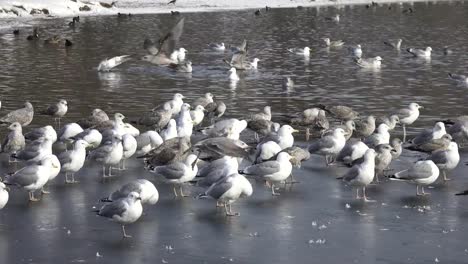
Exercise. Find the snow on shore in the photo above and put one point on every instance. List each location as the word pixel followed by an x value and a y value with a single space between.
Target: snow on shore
pixel 66 8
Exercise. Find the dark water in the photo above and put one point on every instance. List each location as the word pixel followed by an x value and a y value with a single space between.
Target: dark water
pixel 399 228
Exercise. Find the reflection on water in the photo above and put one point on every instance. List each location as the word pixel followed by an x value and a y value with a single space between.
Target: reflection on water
pixel 44 73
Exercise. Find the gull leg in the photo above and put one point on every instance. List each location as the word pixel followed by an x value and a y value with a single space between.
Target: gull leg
pixel 66 178
pixel 44 191
pixel 417 190
pixel 307 134
pixel 104 171
pixel 365 196
pixel 404 133
pixel 357 194
pixel 424 193
pixel 31 197
pixel 73 178
pixel 273 190
pixel 125 234
pixel 230 211
pixel 445 176
pixel 110 171
pixel 175 191
pixel 326 160
pixel 219 204
pixel 182 192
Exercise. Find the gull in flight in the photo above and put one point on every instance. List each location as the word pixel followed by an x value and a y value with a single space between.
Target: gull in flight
pixel 160 53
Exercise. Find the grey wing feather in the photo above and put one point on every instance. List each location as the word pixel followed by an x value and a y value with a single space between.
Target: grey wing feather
pixel 149 46
pixel 420 171
pixel 438 157
pixel 403 113
pixel 115 208
pixel 125 190
pixel 351 174
pixel 172 171
pixel 265 168
pixel 322 143
pixel 51 110
pixel 169 42
pixel 24 177
pixel 65 157
pixel 218 188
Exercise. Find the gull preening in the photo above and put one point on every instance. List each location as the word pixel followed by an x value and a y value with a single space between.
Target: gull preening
pixel 217 46
pixel 335 18
pixel 394 44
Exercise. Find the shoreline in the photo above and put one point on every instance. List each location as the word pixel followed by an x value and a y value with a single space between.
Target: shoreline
pixel 50 9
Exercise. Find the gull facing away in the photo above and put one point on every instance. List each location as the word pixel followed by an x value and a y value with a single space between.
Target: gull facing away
pixel 14 141
pixel 24 115
pixel 161 54
pixel 361 175
pixel 370 63
pixel 73 160
pixel 420 53
pixel 422 173
pixel 227 190
pixel 147 191
pixel 437 132
pixel 107 65
pixel 123 211
pixel 395 45
pixel 233 74
pixel 408 115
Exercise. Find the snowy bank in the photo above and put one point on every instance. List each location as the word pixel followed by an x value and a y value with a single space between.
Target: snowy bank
pixel 66 8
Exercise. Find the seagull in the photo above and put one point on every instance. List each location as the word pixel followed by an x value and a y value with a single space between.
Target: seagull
pixel 217 46
pixel 426 53
pixel 97 116
pixel 429 134
pixel 24 116
pixel 147 191
pixel 266 151
pixel 197 115
pixel 107 65
pixel 57 110
pixel 335 18
pixel 36 150
pixel 254 64
pixel 215 170
pixel 204 101
pixel 382 136
pixel 329 145
pixel 283 137
pixel 395 45
pixel 239 58
pixel 129 145
pixel 446 159
pixel 185 67
pixel 341 112
pixel 184 122
pixel 422 173
pixel 14 141
pixel 158 118
pixel 288 83
pixel 123 211
pixel 353 150
pixel 433 144
pixel 336 43
pixel 265 115
pixel 364 128
pixel 361 175
pixel 272 171
pixel 53 172
pixel 390 121
pixel 110 153
pixel 356 51
pixel 73 160
pixel 178 173
pixel 369 63
pixel 171 150
pixel 92 136
pixel 32 177
pixel 148 141
pixel 396 144
pixel 228 189
pixel 408 115
pixel 179 55
pixel 462 79
pixel 305 51
pixel 170 132
pixel 233 75
pixel 160 55
pixel 3 195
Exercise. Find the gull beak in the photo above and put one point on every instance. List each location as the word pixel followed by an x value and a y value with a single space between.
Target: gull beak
pixel 139 198
pixel 422 107
pixel 295 131
pixel 393 151
pixel 7 188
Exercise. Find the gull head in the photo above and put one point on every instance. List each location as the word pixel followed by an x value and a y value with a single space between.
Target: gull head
pixel 232 70
pixel 134 196
pixel 14 126
pixel 428 49
pixel 415 106
pixel 182 50
pixel 200 108
pixel 378 58
pixel 63 102
pixel 327 41
pixel 339 132
pixel 439 126
pixel 148 58
pixel 306 50
pixel 185 107
pixel 119 116
pixel 178 96
pixel 255 60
